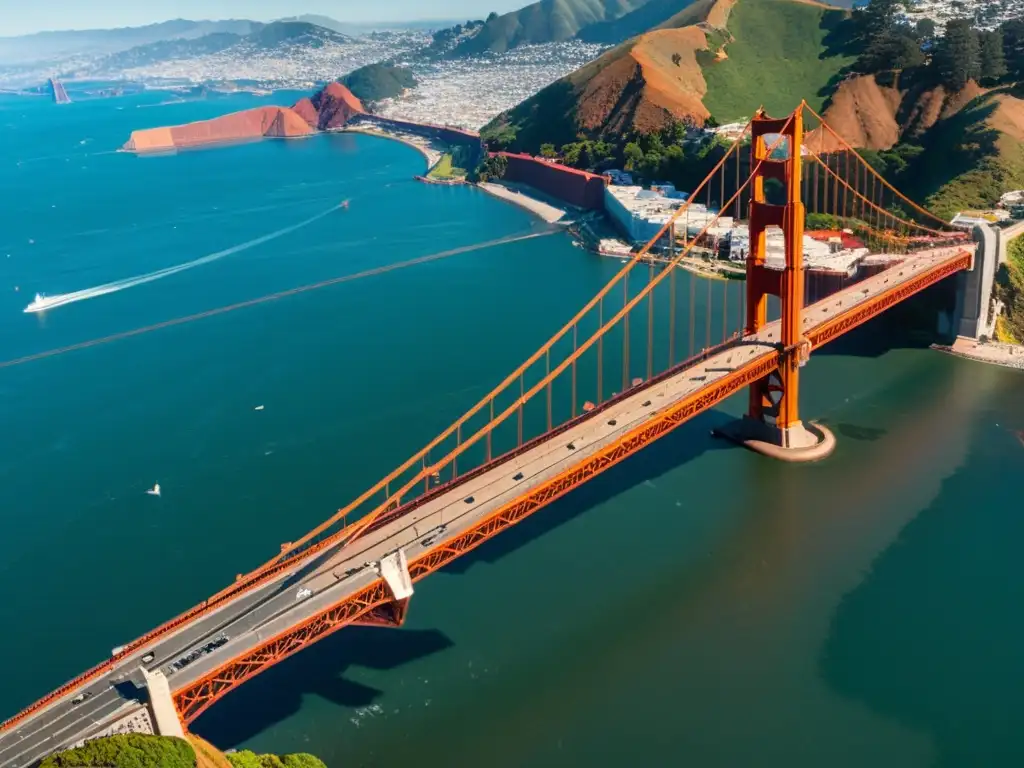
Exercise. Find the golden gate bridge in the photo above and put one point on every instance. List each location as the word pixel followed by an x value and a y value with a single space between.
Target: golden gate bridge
pixel 635 362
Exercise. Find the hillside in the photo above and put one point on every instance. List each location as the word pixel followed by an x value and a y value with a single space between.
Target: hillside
pixel 143 751
pixel 977 132
pixel 379 81
pixel 548 21
pixel 719 58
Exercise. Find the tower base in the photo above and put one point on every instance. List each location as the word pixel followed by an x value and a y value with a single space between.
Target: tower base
pixel 799 443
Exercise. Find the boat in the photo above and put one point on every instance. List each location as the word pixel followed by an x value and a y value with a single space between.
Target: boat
pixel 155 490
pixel 344 204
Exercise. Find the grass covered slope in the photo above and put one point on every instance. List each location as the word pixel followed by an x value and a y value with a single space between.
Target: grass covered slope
pixel 642 84
pixel 1010 291
pixel 775 56
pixel 982 155
pixel 137 750
pixel 378 81
pixel 717 58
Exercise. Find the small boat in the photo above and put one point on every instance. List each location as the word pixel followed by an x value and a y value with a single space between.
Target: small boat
pixel 344 204
pixel 155 490
pixel 258 408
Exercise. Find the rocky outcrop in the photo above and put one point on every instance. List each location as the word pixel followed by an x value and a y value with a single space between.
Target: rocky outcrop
pixel 331 107
pixel 276 122
pixel 304 108
pixel 335 105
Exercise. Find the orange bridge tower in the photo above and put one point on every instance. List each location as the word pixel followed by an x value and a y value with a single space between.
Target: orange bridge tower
pixel 772 425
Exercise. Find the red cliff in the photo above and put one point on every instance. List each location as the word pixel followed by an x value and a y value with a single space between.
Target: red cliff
pixel 276 122
pixel 334 105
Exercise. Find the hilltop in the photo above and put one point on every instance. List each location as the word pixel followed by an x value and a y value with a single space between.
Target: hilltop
pixel 379 81
pixel 548 21
pixel 714 58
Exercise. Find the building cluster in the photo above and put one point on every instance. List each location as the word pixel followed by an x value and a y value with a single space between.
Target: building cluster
pixel 283 66
pixel 986 14
pixel 470 92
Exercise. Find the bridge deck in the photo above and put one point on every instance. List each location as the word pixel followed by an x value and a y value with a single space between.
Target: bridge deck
pixel 250 620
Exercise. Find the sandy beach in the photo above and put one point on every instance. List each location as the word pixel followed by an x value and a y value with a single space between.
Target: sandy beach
pixel 548 213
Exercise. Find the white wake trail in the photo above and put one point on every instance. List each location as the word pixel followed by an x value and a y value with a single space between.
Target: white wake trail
pixel 43 303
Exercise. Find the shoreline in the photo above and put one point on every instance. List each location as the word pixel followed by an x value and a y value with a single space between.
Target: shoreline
pixel 992 353
pixel 431 155
pixel 547 213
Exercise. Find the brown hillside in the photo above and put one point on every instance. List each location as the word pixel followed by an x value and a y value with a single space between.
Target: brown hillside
pixel 639 84
pixel 874 116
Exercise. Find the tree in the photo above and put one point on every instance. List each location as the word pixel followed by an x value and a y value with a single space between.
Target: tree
pixel 875 19
pixel 633 154
pixel 548 151
pixel 493 15
pixel 676 59
pixel 1013 47
pixel 891 51
pixel 925 30
pixel 958 55
pixel 993 58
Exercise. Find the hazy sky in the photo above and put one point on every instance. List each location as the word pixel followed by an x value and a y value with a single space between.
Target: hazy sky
pixel 18 17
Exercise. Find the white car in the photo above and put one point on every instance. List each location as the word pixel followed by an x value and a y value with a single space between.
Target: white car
pixel 303 593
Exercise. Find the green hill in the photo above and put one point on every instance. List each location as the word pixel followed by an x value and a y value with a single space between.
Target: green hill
pixel 379 81
pixel 137 750
pixel 776 57
pixel 548 21
pixel 714 58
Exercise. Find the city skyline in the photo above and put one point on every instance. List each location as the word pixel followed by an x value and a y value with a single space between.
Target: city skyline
pixel 68 15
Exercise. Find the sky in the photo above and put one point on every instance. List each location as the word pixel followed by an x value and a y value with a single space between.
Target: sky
pixel 18 17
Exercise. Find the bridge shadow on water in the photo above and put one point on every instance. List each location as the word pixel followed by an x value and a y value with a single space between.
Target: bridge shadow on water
pixel 319 670
pixel 685 444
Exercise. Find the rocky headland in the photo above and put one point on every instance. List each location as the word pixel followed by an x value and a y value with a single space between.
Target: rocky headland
pixel 328 109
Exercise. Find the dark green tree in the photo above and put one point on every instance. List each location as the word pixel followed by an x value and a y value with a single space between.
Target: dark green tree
pixel 633 155
pixel 891 51
pixel 925 30
pixel 957 58
pixel 1013 47
pixel 993 58
pixel 877 18
pixel 548 150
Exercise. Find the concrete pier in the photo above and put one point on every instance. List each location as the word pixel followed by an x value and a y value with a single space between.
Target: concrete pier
pixel 799 443
pixel 165 716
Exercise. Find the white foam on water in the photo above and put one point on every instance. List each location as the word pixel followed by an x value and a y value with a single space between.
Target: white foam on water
pixel 44 303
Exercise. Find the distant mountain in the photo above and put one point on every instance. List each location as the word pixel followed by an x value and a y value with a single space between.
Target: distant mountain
pixel 267 37
pixel 645 18
pixel 51 45
pixel 548 21
pixel 295 33
pixel 347 28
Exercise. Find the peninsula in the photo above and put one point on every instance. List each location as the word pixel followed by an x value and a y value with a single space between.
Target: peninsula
pixel 328 109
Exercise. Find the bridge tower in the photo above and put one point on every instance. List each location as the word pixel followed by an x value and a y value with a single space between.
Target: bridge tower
pixel 772 425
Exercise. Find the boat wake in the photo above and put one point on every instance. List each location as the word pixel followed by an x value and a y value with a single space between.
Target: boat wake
pixel 43 303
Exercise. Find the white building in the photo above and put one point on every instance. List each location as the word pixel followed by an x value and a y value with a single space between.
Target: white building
pixel 641 213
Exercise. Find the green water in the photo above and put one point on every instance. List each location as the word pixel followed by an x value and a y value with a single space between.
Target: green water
pixel 696 604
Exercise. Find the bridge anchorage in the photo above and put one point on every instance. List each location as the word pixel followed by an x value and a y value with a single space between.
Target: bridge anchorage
pixel 772 425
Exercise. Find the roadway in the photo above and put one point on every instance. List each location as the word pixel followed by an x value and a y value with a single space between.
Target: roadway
pixel 336 574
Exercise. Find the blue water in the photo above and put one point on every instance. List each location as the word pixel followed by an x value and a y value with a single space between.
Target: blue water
pixel 696 604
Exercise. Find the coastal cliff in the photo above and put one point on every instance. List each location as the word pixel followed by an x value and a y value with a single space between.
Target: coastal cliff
pixel 329 108
pixel 274 122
